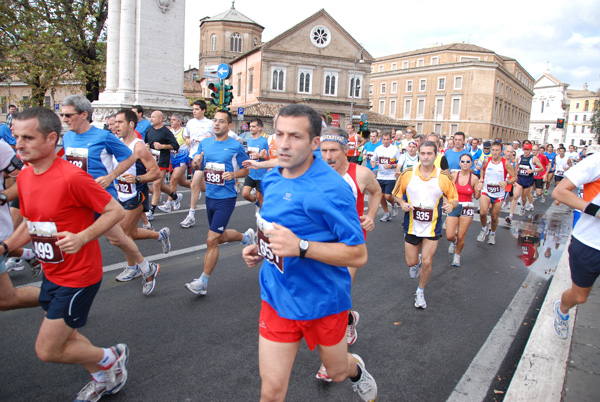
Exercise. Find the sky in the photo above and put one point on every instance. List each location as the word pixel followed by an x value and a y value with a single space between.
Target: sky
pixel 562 36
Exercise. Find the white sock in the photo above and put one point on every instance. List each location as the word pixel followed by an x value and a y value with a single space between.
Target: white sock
pixel 192 213
pixel 144 267
pixel 205 277
pixel 108 359
pixel 99 376
pixel 28 254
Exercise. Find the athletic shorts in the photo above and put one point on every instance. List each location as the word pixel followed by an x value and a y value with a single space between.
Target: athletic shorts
pixel 250 182
pixel 15 203
pixel 70 304
pixel 2 265
pixel 219 212
pixel 353 159
pixel 180 160
pixel 456 212
pixel 558 178
pixel 525 182
pixel 539 183
pixel 140 199
pixel 325 331
pixel 415 240
pixel 493 199
pixel 387 186
pixel 583 261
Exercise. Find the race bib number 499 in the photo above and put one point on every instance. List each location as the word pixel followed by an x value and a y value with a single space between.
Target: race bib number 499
pixel 43 237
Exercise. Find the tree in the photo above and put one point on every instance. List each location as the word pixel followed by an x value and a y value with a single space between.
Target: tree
pixel 45 41
pixel 596 118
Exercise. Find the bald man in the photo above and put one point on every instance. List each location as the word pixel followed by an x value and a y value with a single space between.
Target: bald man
pixel 161 142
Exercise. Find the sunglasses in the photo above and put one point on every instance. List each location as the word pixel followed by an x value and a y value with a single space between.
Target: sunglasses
pixel 465 161
pixel 68 115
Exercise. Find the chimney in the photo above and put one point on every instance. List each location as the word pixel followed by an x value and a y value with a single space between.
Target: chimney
pixel 585 87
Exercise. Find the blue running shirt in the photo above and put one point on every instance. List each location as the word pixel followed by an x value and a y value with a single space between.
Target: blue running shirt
pixel 256 146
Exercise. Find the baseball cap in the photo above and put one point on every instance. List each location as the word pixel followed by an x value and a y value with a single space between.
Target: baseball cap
pixel 487 144
pixel 527 146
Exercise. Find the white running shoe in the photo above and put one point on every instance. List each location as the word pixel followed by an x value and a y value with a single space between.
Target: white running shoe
pixel 561 326
pixel 197 286
pixel 452 248
pixel 15 264
pixel 150 216
pixel 366 387
pixel 492 238
pixel 351 334
pixel 116 375
pixel 148 226
pixel 188 222
pixel 530 207
pixel 249 237
pixel 129 274
pixel 414 271
pixel 322 374
pixel 166 207
pixel 386 217
pixel 456 260
pixel 253 192
pixel 542 199
pixel 522 211
pixel 177 203
pixel 482 234
pixel 395 210
pixel 148 286
pixel 165 241
pixel 91 392
pixel 420 300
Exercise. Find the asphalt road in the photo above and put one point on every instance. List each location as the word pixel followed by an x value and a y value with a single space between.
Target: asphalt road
pixel 189 348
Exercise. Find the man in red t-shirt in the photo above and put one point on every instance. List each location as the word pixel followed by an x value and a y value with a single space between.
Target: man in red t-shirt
pixel 540 178
pixel 58 202
pixel 355 141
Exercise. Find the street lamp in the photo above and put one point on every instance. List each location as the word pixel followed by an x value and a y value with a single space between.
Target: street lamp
pixel 353 85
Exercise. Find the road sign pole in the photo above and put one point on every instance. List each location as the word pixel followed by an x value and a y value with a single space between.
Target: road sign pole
pixel 221 96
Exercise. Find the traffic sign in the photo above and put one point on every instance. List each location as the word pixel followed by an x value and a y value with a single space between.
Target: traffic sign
pixel 57 106
pixel 241 110
pixel 245 126
pixel 224 71
pixel 212 68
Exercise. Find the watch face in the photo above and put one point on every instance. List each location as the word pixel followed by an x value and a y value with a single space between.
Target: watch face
pixel 304 244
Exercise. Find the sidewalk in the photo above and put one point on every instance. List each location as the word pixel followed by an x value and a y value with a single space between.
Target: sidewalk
pixel 552 369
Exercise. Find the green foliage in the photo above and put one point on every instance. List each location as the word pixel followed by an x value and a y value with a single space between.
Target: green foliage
pixel 596 118
pixel 44 42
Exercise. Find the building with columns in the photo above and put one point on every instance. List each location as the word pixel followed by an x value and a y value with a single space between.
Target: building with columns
pixel 582 104
pixel 549 104
pixel 455 87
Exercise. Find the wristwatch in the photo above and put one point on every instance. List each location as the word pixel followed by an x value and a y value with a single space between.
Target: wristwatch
pixel 5 254
pixel 137 179
pixel 3 199
pixel 303 247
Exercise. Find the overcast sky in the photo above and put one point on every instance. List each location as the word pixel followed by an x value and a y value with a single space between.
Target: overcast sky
pixel 564 35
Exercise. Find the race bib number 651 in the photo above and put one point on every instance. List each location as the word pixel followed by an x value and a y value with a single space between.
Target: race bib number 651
pixel 264 249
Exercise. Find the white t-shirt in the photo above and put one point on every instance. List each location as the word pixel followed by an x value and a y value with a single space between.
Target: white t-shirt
pixel 6 226
pixel 382 155
pixel 233 135
pixel 197 130
pixel 587 174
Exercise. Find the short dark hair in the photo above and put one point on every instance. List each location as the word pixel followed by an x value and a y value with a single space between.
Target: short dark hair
pixel 48 121
pixel 388 133
pixel 258 122
pixel 429 144
pixel 130 116
pixel 9 106
pixel 200 103
pixel 139 108
pixel 298 110
pixel 459 133
pixel 227 112
pixel 497 144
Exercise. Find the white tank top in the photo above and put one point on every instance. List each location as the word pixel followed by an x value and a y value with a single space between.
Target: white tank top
pixel 126 191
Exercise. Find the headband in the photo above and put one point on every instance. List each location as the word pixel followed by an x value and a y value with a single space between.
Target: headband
pixel 335 138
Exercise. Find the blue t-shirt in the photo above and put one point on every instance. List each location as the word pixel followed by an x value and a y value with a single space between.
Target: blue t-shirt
pixel 6 135
pixel 453 158
pixel 143 126
pixel 551 157
pixel 221 156
pixel 368 150
pixel 317 206
pixel 257 145
pixel 476 155
pixel 93 151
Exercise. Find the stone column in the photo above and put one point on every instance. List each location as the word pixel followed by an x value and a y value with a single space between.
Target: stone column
pixel 127 47
pixel 112 45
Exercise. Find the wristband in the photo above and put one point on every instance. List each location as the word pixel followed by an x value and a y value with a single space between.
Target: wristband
pixel 592 209
pixel 5 254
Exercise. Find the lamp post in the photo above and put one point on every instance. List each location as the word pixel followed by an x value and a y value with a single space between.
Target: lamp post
pixel 353 85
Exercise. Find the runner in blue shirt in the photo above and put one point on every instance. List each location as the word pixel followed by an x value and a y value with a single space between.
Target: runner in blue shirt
pixel 220 158
pixel 257 149
pixel 453 155
pixel 142 125
pixel 369 150
pixel 551 155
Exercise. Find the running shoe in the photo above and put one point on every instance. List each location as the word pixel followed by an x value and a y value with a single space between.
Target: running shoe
pixel 197 286
pixel 482 234
pixel 148 286
pixel 545 192
pixel 542 199
pixel 366 385
pixel 91 392
pixel 492 238
pixel 249 237
pixel 148 226
pixel 395 210
pixel 456 260
pixel 530 207
pixel 508 220
pixel 188 222
pixel 414 271
pixel 150 216
pixel 36 266
pixel 176 204
pixel 522 211
pixel 253 192
pixel 116 375
pixel 15 264
pixel 561 326
pixel 128 274
pixel 452 248
pixel 322 374
pixel 166 207
pixel 420 300
pixel 165 241
pixel 386 217
pixel 351 334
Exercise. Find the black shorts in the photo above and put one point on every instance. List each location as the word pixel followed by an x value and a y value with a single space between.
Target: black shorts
pixel 558 178
pixel 140 199
pixel 70 304
pixel 415 240
pixel 583 261
pixel 250 182
pixel 539 183
pixel 353 159
pixel 15 203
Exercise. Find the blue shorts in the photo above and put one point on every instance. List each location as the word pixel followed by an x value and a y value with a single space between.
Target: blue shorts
pixel 583 261
pixel 387 186
pixel 2 265
pixel 219 212
pixel 70 304
pixel 140 199
pixel 180 160
pixel 525 181
pixel 456 211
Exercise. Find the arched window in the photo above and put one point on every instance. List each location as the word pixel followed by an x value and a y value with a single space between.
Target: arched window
pixel 587 106
pixel 236 43
pixel 277 80
pixel 213 42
